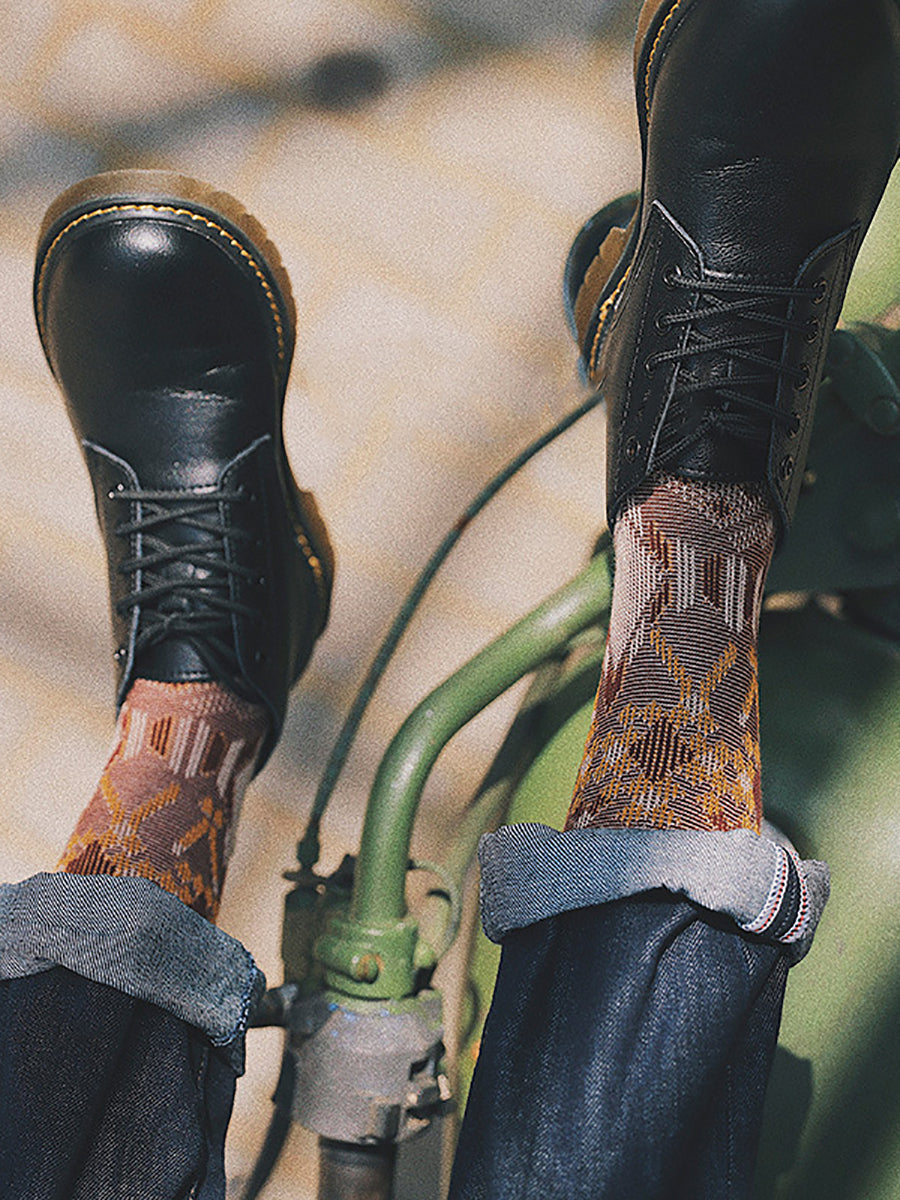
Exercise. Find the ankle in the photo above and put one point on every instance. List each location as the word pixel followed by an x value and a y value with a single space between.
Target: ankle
pixel 167 803
pixel 674 741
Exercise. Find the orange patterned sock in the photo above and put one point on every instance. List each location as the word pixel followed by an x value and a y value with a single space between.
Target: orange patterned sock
pixel 168 799
pixel 674 740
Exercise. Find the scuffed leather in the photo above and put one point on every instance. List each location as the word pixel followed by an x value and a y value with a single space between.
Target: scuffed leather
pixel 769 129
pixel 166 347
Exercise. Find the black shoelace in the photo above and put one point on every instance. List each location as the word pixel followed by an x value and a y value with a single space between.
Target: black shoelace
pixel 741 411
pixel 196 606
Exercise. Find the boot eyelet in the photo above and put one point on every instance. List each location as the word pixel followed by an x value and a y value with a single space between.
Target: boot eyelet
pixel 794 427
pixel 671 274
pixel 803 381
pixel 661 322
pixel 632 446
pixel 786 467
pixel 812 329
pixel 261 581
pixel 821 288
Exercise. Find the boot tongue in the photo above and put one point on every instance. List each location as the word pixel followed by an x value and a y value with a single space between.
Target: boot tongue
pixel 173 653
pixel 719 427
pixel 718 369
pixel 187 440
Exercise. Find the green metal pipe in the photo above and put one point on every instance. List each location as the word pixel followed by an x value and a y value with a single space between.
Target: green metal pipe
pixel 379 897
pixel 488 806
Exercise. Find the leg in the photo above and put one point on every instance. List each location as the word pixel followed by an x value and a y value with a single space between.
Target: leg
pixel 167 319
pixel 584 1088
pixel 104 1095
pixel 628 1045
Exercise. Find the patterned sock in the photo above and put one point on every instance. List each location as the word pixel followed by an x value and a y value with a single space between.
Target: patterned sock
pixel 674 740
pixel 167 803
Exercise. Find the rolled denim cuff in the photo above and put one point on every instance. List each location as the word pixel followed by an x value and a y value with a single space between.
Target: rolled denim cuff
pixel 530 871
pixel 133 936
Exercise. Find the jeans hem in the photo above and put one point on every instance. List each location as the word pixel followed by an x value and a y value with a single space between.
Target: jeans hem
pixel 530 872
pixel 131 935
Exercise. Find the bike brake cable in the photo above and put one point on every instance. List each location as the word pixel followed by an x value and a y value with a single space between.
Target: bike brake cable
pixel 308 847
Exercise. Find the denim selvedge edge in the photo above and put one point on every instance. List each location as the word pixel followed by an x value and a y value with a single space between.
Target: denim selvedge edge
pixel 135 937
pixel 530 871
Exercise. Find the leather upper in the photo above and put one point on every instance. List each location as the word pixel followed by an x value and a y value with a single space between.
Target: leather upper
pixel 769 130
pixel 171 343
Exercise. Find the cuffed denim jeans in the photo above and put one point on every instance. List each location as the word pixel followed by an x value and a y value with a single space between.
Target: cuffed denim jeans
pixel 636 1012
pixel 625 1056
pixel 122 1021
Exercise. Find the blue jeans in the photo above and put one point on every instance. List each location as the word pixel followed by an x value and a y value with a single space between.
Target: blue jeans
pixel 626 1052
pixel 629 1042
pixel 103 1096
pixel 122 1020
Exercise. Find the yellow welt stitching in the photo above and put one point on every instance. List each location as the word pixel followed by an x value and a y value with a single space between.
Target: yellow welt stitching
pixel 604 310
pixel 313 562
pixel 178 212
pixel 653 50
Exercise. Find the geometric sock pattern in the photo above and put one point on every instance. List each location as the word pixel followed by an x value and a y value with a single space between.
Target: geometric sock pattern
pixel 674 738
pixel 167 803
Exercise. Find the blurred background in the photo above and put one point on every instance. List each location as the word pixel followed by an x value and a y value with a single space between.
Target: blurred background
pixel 423 169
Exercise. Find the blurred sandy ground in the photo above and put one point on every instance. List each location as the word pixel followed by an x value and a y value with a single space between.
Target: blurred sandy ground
pixel 423 171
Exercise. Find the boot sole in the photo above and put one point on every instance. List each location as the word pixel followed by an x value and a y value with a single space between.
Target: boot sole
pixel 192 199
pixel 654 17
pixel 618 214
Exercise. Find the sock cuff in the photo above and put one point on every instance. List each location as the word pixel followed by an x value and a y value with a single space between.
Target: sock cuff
pixel 168 800
pixel 199 699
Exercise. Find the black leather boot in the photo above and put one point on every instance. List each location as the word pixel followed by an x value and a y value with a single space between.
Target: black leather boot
pixel 769 129
pixel 168 321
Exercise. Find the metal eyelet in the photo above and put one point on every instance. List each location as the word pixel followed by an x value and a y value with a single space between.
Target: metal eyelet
pixel 671 274
pixel 812 329
pixel 661 322
pixel 786 467
pixel 794 427
pixel 632 446
pixel 803 381
pixel 821 287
